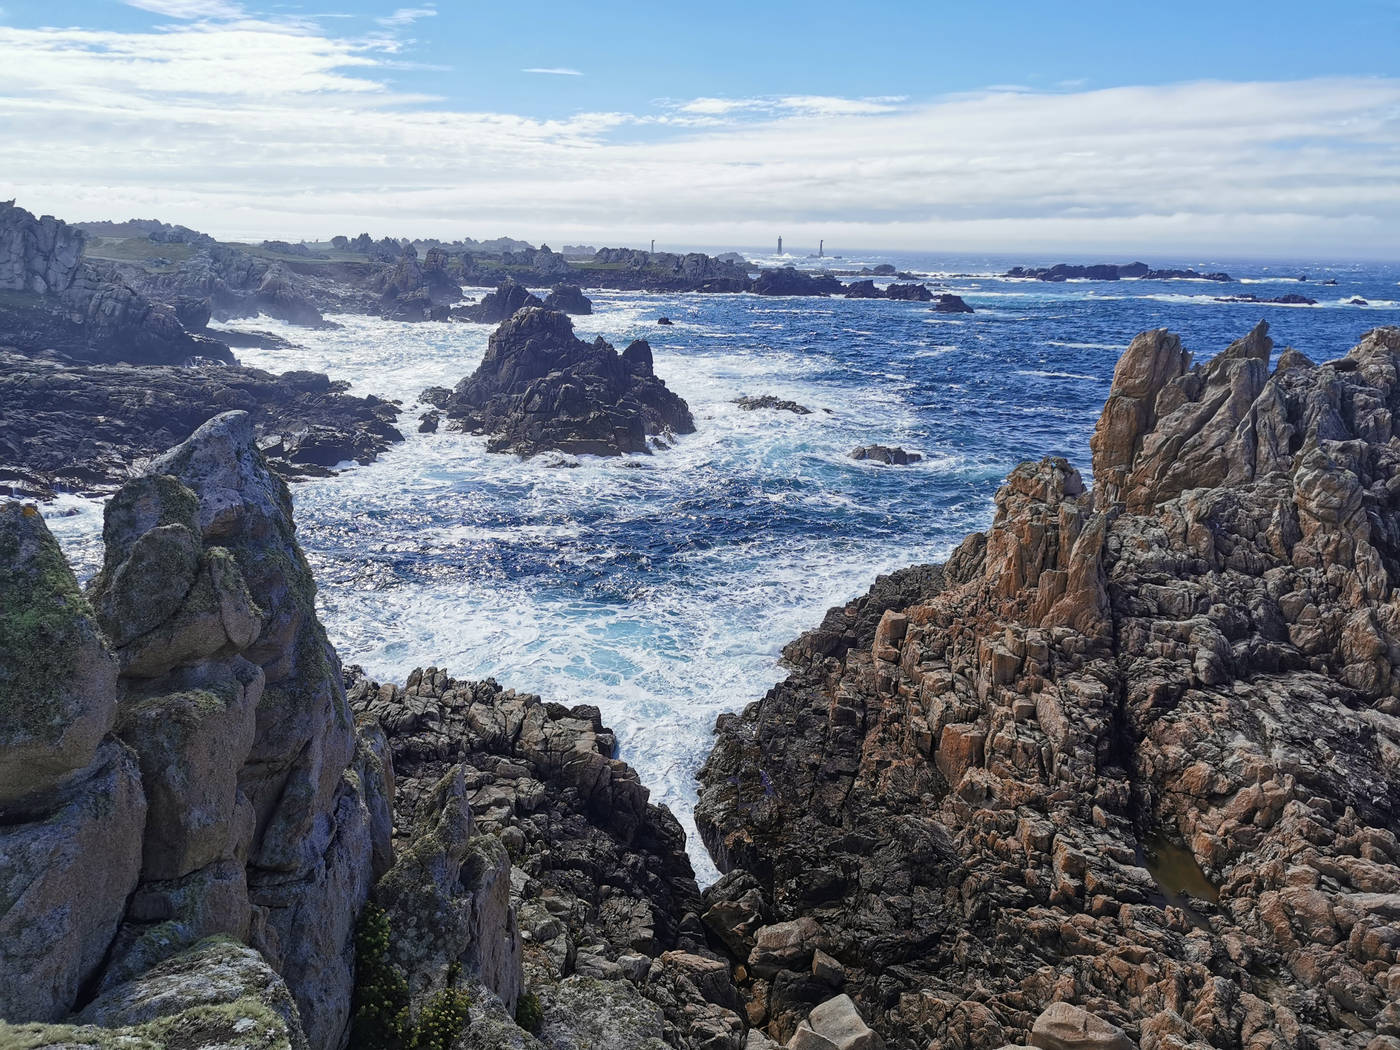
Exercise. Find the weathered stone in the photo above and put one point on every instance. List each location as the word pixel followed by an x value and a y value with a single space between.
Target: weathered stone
pixel 1062 1026
pixel 68 871
pixel 57 678
pixel 835 1025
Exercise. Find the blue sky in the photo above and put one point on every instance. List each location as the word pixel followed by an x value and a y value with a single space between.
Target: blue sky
pixel 914 125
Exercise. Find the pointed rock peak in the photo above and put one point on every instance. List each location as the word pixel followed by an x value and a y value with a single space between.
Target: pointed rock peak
pixel 1256 344
pixel 638 358
pixel 1152 359
pixel 237 492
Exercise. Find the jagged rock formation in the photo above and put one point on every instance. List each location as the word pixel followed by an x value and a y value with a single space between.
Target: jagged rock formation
pixel 540 387
pixel 96 420
pixel 413 291
pixel 907 292
pixel 1288 299
pixel 52 299
pixel 791 281
pixel 502 304
pixel 568 299
pixel 1132 751
pixel 192 769
pixel 561 832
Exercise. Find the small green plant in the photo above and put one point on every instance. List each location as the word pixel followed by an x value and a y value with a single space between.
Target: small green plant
pixel 528 1014
pixel 380 1020
pixel 445 1016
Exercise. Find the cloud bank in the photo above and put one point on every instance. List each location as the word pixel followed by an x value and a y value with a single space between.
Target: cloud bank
pixel 250 127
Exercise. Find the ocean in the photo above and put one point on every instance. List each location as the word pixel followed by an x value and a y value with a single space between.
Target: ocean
pixel 662 588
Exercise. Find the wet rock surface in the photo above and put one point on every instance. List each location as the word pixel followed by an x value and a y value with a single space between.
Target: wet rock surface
pixel 886 454
pixel 568 299
pixel 947 303
pixel 501 304
pixel 98 421
pixel 771 403
pixel 791 281
pixel 540 387
pixel 1123 770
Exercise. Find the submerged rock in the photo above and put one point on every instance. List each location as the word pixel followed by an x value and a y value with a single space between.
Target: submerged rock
pixel 540 387
pixel 886 454
pixel 963 777
pixel 773 403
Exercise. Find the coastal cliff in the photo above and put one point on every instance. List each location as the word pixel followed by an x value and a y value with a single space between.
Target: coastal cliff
pixel 208 842
pixel 1123 771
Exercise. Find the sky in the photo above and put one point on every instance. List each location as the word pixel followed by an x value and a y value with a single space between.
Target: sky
pixel 1244 129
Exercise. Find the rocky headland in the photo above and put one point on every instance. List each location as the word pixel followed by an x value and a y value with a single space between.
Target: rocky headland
pixel 1125 771
pixel 53 298
pixel 541 388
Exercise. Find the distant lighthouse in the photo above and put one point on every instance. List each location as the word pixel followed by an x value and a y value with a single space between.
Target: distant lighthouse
pixel 821 249
pixel 780 246
pixel 653 246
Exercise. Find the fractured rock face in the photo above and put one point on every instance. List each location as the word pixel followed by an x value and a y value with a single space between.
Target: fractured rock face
pixel 540 387
pixel 1132 751
pixel 59 301
pixel 559 843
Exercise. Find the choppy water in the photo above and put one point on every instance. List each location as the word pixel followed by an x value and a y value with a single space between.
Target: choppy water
pixel 662 588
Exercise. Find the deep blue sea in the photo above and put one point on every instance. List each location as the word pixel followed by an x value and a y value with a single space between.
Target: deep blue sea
pixel 663 587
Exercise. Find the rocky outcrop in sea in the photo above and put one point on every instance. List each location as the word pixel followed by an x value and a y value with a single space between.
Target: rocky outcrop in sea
pixel 789 280
pixel 568 299
pixel 1110 272
pixel 98 420
pixel 51 298
pixel 495 307
pixel 540 387
pixel 1121 772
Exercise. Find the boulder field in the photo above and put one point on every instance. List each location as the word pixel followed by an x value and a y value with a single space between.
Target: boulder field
pixel 1124 772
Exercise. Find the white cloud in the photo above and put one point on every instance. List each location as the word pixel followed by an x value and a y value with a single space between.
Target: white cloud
pixel 255 128
pixel 406 16
pixel 190 9
pixel 553 71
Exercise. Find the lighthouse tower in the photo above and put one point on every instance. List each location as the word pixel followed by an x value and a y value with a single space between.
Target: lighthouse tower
pixel 780 246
